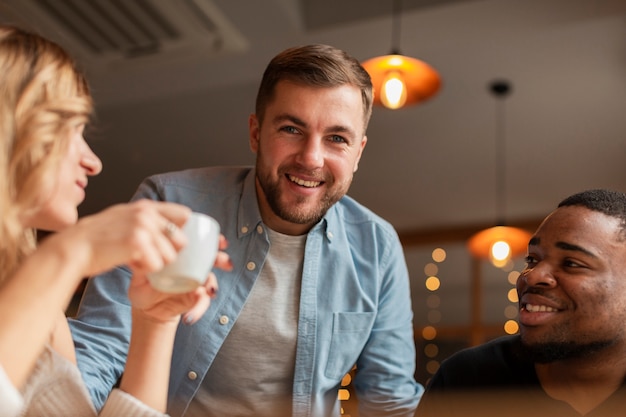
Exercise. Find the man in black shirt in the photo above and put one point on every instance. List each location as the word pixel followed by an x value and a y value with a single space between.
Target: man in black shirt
pixel 569 358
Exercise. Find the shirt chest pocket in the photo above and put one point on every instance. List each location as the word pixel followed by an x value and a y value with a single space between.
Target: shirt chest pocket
pixel 349 335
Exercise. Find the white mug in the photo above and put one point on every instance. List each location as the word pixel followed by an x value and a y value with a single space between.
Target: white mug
pixel 194 262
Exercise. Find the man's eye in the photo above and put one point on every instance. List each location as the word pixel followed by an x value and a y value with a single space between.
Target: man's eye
pixel 338 139
pixel 571 264
pixel 289 129
pixel 530 260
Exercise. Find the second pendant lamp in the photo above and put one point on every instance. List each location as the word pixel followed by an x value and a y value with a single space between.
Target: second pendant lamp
pixel 500 243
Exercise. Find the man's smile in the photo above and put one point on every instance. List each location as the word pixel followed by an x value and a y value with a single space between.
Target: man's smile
pixel 303 183
pixel 533 308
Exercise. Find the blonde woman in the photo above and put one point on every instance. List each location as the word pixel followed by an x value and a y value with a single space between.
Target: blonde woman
pixel 44 166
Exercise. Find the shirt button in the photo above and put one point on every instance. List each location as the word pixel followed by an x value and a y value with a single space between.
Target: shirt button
pixel 244 229
pixel 250 266
pixel 224 320
pixel 259 229
pixel 192 375
pixel 329 235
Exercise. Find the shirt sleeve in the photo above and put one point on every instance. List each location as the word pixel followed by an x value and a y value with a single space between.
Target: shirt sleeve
pixel 101 332
pixel 10 398
pixel 385 381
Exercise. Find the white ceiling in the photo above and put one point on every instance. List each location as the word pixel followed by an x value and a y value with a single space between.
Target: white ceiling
pixel 425 168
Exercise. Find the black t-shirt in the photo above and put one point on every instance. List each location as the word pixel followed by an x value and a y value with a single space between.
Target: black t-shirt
pixel 494 379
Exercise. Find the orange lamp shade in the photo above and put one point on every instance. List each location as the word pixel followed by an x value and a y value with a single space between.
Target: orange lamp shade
pixel 481 243
pixel 420 79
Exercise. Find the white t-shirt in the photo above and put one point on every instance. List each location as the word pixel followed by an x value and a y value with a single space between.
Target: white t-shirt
pixel 252 373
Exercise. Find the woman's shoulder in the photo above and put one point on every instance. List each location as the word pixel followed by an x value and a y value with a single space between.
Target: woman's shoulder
pixel 55 388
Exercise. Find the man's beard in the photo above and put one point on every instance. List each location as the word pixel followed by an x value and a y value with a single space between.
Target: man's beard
pixel 546 352
pixel 293 213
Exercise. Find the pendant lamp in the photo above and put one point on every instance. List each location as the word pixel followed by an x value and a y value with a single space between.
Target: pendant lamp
pixel 400 80
pixel 500 243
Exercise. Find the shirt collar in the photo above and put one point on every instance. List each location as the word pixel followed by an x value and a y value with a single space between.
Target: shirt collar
pixel 249 216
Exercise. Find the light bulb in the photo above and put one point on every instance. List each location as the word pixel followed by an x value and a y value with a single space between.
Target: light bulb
pixel 393 90
pixel 500 253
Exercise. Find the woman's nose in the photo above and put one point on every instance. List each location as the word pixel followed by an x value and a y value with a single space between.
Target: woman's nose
pixel 90 161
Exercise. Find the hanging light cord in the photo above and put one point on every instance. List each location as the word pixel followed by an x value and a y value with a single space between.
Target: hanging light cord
pixel 500 89
pixel 395 27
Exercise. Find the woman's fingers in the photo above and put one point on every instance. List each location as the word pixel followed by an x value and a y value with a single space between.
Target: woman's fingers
pixel 205 293
pixel 202 304
pixel 163 307
pixel 176 213
pixel 155 233
pixel 223 261
pixel 166 240
pixel 223 244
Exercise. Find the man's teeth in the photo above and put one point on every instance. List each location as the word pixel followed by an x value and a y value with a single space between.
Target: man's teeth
pixel 535 309
pixel 304 183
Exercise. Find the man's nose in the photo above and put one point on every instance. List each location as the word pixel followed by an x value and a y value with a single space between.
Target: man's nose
pixel 540 275
pixel 311 154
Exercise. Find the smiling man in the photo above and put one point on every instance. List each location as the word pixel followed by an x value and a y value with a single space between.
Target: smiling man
pixel 319 282
pixel 569 358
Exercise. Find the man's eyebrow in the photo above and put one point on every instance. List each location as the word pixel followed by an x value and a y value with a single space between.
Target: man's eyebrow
pixel 289 118
pixel 534 241
pixel 339 128
pixel 572 247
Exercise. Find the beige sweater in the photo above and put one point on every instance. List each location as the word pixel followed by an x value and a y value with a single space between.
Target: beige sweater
pixel 55 389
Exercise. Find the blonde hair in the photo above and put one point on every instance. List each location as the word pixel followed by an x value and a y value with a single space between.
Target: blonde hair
pixel 42 96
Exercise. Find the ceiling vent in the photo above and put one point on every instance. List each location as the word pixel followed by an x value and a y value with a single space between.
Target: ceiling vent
pixel 111 30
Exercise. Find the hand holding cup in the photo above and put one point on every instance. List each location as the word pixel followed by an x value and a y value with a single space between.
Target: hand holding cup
pixel 194 262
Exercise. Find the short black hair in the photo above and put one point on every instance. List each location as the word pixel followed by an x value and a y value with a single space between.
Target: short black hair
pixel 610 202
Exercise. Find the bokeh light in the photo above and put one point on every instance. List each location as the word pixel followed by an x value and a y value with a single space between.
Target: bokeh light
pixel 429 332
pixel 432 283
pixel 433 301
pixel 510 312
pixel 434 316
pixel 432 367
pixel 431 350
pixel 431 269
pixel 511 327
pixel 439 255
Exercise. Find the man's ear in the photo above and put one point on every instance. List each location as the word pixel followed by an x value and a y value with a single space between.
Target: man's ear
pixel 358 157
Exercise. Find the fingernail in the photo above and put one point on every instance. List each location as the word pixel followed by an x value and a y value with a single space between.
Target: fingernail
pixel 188 319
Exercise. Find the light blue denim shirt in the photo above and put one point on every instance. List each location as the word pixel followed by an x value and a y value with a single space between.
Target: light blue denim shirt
pixel 355 305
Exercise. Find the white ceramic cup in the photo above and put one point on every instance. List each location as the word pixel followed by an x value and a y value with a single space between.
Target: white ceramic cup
pixel 194 261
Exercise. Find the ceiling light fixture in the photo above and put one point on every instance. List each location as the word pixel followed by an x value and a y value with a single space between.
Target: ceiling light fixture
pixel 400 80
pixel 500 243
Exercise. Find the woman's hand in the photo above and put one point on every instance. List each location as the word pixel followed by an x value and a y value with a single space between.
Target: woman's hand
pixel 135 234
pixel 140 235
pixel 153 305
